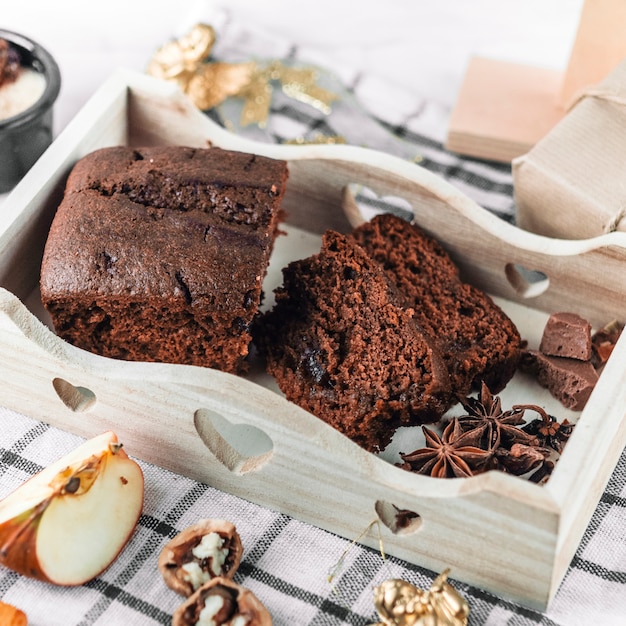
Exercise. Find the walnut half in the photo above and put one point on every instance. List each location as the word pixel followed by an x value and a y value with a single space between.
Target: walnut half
pixel 222 602
pixel 209 549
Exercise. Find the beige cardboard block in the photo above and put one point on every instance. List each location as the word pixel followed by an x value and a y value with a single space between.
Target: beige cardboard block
pixel 503 109
pixel 572 183
pixel 600 45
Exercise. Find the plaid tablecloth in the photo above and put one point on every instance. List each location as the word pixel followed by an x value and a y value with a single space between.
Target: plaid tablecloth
pixel 286 562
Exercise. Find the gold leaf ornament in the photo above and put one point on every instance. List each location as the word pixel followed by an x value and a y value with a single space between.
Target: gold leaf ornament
pixel 179 59
pixel 212 83
pixel 186 61
pixel 399 603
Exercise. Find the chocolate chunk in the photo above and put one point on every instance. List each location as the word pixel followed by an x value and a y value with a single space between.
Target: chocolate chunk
pixel 567 335
pixel 570 381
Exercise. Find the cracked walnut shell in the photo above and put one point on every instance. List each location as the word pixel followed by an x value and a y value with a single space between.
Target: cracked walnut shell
pixel 222 602
pixel 209 549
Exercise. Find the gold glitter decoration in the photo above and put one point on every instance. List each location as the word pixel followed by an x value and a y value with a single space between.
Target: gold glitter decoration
pixel 301 84
pixel 398 603
pixel 257 95
pixel 318 139
pixel 186 61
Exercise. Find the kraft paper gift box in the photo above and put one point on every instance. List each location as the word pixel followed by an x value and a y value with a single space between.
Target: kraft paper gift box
pixel 572 183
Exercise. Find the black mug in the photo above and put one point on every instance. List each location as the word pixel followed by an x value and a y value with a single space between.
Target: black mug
pixel 25 136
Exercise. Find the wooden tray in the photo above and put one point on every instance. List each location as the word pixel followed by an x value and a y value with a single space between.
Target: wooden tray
pixel 496 531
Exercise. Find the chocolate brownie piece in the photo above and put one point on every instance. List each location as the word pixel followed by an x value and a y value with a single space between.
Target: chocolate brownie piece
pixel 478 341
pixel 341 345
pixel 158 254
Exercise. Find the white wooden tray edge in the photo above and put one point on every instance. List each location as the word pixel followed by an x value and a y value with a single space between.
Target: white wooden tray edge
pixel 495 531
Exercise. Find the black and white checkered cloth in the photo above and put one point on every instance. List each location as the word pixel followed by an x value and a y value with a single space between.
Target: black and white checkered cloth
pixel 286 562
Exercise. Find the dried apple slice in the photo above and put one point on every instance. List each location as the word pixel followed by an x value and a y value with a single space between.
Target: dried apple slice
pixel 67 524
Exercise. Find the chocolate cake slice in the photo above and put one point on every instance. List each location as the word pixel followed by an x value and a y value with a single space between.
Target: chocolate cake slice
pixel 478 341
pixel 158 254
pixel 342 345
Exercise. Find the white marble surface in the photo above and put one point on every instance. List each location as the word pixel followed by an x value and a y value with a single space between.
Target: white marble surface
pixel 422 45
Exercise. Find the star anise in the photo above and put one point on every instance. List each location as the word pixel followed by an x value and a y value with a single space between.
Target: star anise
pixel 520 458
pixel 548 431
pixel 487 437
pixel 453 455
pixel 501 428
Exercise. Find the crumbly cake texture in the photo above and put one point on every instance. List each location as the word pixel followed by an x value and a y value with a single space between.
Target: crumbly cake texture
pixel 378 331
pixel 478 341
pixel 158 254
pixel 341 345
